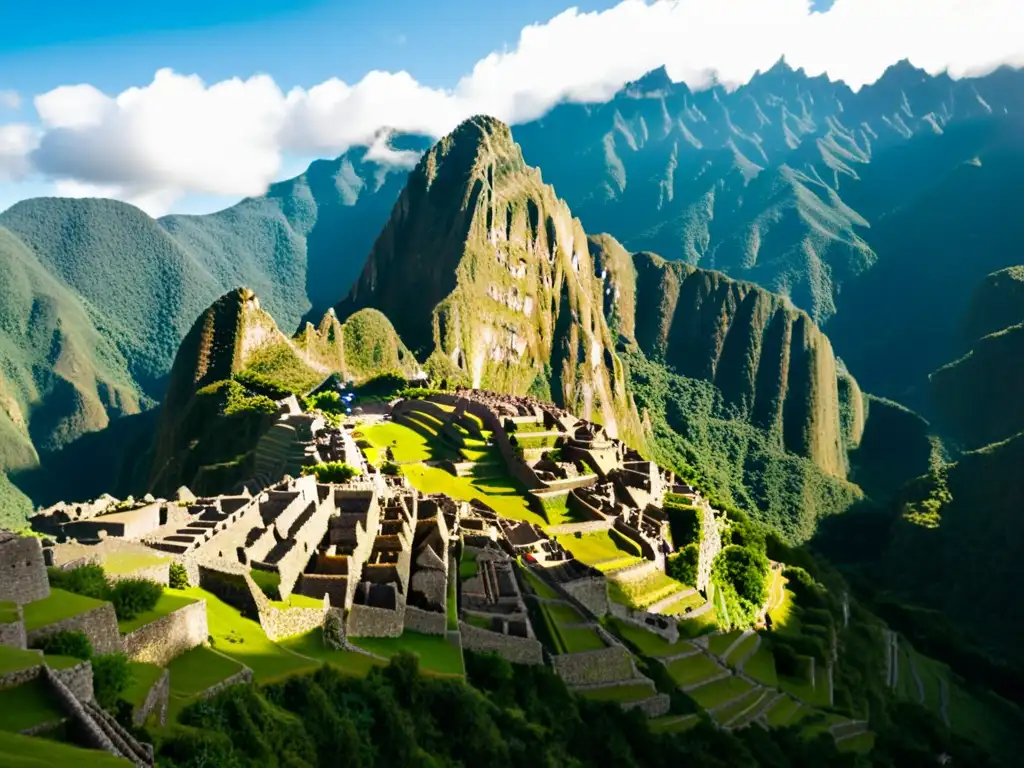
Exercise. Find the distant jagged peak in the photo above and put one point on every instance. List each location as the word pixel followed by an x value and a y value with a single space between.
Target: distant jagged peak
pixel 902 74
pixel 657 82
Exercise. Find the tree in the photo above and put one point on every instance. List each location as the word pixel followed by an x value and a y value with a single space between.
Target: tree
pixel 683 566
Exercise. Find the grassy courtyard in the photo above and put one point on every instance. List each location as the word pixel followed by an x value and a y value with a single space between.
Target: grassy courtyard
pixel 435 653
pixel 120 563
pixel 28 705
pixel 602 549
pixel 502 494
pixel 169 602
pixel 244 640
pixel 18 751
pixel 13 659
pixel 58 606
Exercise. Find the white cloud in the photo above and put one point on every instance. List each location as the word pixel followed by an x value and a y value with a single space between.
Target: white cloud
pixel 17 140
pixel 178 135
pixel 10 100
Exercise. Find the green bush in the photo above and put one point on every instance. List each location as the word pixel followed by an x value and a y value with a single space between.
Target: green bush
pixel 389 468
pixel 178 576
pixel 262 385
pixel 111 675
pixel 331 472
pixel 88 580
pixel 683 566
pixel 684 523
pixel 66 642
pixel 134 596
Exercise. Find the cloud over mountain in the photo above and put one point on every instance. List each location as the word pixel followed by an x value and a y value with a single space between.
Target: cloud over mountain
pixel 179 135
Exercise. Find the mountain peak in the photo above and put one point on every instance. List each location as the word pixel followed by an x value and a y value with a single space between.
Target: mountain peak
pixel 654 82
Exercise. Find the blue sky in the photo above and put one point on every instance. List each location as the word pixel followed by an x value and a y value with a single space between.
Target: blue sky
pixel 114 44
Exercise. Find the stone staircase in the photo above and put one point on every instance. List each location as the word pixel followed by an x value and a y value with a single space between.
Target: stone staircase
pixel 130 748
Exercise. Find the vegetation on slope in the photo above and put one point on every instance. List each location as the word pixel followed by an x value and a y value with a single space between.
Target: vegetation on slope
pixel 481 263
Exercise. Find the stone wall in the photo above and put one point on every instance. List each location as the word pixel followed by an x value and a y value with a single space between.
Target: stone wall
pixel 21 676
pixel 160 573
pixel 592 593
pixel 580 506
pixel 427 622
pixel 631 533
pixel 593 526
pixel 78 679
pixel 232 586
pixel 709 547
pixel 99 625
pixel 13 633
pixel 608 665
pixel 518 650
pixel 280 623
pixel 241 677
pixel 365 621
pixel 656 706
pixel 168 637
pixel 90 734
pixel 665 626
pixel 22 570
pixel 156 701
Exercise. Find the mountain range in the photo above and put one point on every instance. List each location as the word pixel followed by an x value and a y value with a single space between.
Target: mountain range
pixel 752 285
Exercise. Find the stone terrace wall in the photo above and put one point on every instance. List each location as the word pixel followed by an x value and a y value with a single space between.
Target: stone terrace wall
pixel 279 623
pixel 427 622
pixel 518 650
pixel 608 665
pixel 21 676
pixel 594 526
pixel 665 626
pixel 168 637
pixel 366 621
pixel 156 701
pixel 592 593
pixel 656 706
pixel 13 633
pixel 99 625
pixel 90 733
pixel 78 679
pixel 24 572
pixel 516 467
pixel 710 545
pixel 634 535
pixel 241 677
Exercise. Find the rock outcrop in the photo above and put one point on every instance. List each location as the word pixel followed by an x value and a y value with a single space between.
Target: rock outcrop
pixel 481 264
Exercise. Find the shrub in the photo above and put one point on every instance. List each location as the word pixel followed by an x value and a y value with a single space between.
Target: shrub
pixel 88 580
pixel 683 566
pixel 67 642
pixel 111 675
pixel 178 576
pixel 262 385
pixel 134 596
pixel 786 661
pixel 389 468
pixel 331 472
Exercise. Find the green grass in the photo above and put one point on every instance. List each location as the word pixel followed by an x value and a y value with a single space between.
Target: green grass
pixel 563 613
pixel 467 566
pixel 861 744
pixel 540 587
pixel 761 667
pixel 58 606
pixel 13 659
pixel 192 673
pixel 782 711
pixel 480 622
pixel 268 581
pixel 719 644
pixel 720 691
pixel 580 639
pixel 312 644
pixel 639 593
pixel 801 687
pixel 599 548
pixel 620 694
pixel 8 612
pixel 741 651
pixel 298 601
pixel 27 705
pixel 568 639
pixel 168 603
pixel 406 444
pixel 17 751
pixel 143 678
pixel 699 625
pixel 727 713
pixel 503 495
pixel 129 562
pixel 648 643
pixel 692 669
pixel 244 640
pixel 435 653
pixel 56 661
pixel 453 605
pixel 673 723
pixel 678 608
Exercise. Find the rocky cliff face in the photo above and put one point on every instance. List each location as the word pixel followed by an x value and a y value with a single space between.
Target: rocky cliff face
pixel 483 266
pixel 771 363
pixel 978 395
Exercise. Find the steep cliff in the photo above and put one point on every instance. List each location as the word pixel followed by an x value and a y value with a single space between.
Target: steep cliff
pixel 482 264
pixel 772 365
pixel 978 395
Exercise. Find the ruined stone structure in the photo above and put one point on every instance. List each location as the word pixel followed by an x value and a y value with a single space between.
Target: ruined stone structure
pixel 22 570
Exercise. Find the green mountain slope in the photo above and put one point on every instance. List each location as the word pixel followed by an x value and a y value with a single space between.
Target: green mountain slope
pixel 483 267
